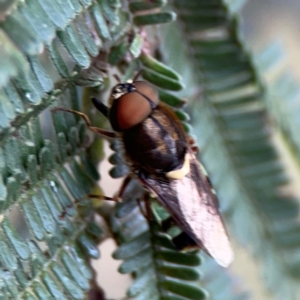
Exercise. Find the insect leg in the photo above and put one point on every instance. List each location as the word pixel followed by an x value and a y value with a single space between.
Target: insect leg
pixel 123 187
pixel 146 213
pixel 87 121
pixel 118 197
pixel 102 197
pixel 92 196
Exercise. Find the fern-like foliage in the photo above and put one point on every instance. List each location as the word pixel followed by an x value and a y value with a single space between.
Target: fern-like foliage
pixel 44 163
pixel 235 137
pixel 160 271
pixel 280 84
pixel 47 49
pixel 42 249
pixel 220 283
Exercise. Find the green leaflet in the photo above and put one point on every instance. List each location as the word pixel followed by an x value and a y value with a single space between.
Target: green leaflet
pixel 156 18
pixel 158 67
pixel 71 40
pixel 162 80
pixel 136 6
pixel 16 28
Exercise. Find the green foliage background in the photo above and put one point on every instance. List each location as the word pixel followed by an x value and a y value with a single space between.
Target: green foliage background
pixel 60 53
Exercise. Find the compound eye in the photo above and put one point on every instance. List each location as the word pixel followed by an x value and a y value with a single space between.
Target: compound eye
pixel 146 89
pixel 133 107
pixel 128 111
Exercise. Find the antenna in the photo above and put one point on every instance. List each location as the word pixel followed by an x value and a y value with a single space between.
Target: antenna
pixel 100 106
pixel 137 75
pixel 117 77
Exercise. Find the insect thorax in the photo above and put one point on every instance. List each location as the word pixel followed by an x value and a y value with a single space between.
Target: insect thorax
pixel 157 145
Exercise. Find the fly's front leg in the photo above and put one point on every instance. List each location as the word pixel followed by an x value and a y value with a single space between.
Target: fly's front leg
pixel 85 118
pixel 91 196
pixel 118 196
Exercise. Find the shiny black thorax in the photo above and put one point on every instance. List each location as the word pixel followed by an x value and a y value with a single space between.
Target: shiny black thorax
pixel 158 144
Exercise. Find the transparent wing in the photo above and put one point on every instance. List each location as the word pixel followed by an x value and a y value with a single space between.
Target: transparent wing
pixel 194 207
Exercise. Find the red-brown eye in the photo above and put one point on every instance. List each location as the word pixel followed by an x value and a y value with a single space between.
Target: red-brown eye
pixel 134 107
pixel 147 90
